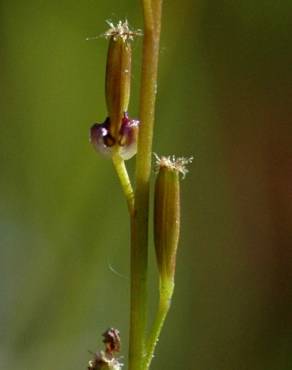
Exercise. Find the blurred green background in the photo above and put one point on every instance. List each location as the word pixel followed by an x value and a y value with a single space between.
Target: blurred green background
pixel 224 96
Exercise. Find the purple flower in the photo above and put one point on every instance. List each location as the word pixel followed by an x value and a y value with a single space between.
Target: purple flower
pixel 104 142
pixel 128 137
pixel 101 138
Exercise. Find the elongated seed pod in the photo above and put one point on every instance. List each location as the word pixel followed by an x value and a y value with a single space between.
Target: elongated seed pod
pixel 117 135
pixel 167 219
pixel 167 213
pixel 118 80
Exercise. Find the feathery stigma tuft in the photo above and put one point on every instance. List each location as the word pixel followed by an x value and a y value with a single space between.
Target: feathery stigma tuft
pixel 121 30
pixel 176 164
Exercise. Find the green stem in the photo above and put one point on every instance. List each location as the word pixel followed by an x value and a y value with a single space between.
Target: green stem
pixel 165 295
pixel 139 224
pixel 122 173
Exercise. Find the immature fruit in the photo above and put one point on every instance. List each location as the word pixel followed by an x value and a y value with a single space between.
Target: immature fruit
pixel 118 80
pixel 117 135
pixel 167 213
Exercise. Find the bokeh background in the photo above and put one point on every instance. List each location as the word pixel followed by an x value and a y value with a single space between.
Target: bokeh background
pixel 224 96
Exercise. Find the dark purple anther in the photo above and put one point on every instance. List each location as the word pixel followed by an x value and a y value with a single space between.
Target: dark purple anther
pixel 126 142
pixel 101 139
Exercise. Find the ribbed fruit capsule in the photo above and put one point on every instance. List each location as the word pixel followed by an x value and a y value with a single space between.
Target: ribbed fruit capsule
pixel 167 213
pixel 118 74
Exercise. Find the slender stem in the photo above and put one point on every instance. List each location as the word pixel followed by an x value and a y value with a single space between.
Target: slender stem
pixel 139 224
pixel 166 292
pixel 122 173
pixel 148 14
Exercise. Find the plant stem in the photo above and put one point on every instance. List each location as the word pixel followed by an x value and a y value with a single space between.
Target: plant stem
pixel 165 295
pixel 139 220
pixel 122 173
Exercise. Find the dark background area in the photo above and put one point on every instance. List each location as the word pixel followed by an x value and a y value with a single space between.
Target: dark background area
pixel 224 96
